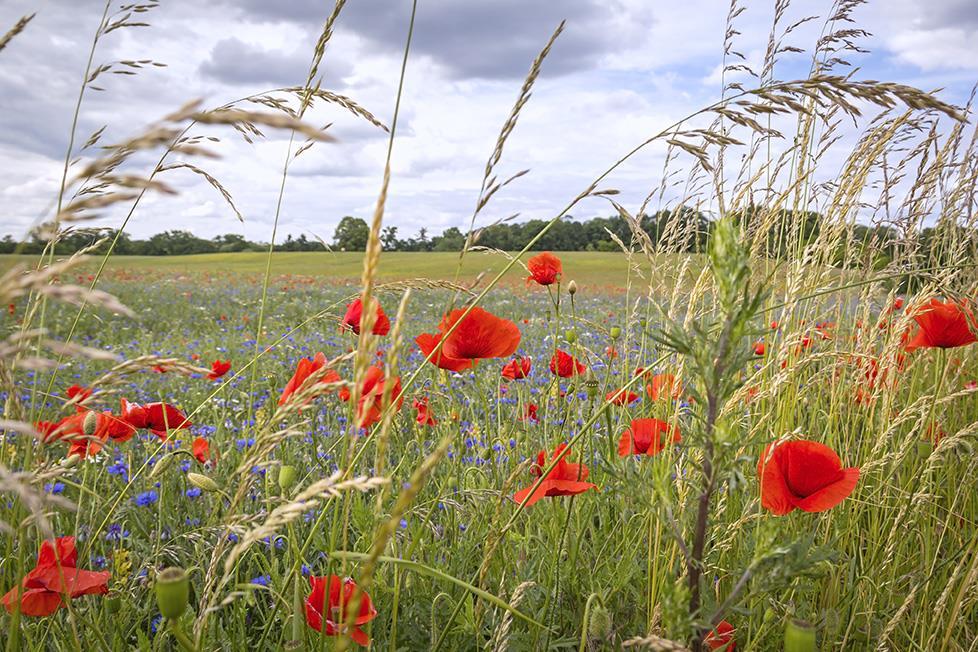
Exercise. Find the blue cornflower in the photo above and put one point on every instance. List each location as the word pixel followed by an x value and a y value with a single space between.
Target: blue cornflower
pixel 55 488
pixel 116 533
pixel 147 498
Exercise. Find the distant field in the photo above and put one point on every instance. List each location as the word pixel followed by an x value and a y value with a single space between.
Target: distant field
pixel 589 268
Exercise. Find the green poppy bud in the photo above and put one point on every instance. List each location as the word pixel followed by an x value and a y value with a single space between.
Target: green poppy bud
pixel 599 626
pixel 161 465
pixel 769 615
pixel 202 482
pixel 615 332
pixel 71 460
pixel 90 424
pixel 113 603
pixel 286 477
pixel 572 288
pixel 799 636
pixel 570 335
pixel 172 592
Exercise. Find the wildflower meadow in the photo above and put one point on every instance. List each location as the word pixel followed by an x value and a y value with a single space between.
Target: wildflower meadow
pixel 757 432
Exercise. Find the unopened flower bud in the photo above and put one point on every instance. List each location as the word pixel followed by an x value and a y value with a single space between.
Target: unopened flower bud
pixel 286 477
pixel 599 627
pixel 615 332
pixel 799 636
pixel 90 424
pixel 71 460
pixel 570 335
pixel 161 465
pixel 202 482
pixel 572 288
pixel 113 603
pixel 172 592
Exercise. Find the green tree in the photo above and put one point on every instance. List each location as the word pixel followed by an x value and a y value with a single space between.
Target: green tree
pixel 351 234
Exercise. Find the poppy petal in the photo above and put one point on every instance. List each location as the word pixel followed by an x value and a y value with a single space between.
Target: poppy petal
pixel 830 495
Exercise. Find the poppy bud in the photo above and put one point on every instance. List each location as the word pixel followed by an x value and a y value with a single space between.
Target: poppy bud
pixel 615 332
pixel 71 460
pixel 570 335
pixel 769 615
pixel 161 465
pixel 202 482
pixel 799 636
pixel 172 592
pixel 113 603
pixel 572 288
pixel 599 627
pixel 90 424
pixel 286 477
pixel 644 323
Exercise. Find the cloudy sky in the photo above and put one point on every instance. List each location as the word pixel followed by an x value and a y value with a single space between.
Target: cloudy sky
pixel 622 70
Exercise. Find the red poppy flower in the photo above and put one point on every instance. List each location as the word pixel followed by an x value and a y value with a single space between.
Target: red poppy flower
pixel 611 352
pixel 201 449
pixel 545 269
pixel 664 386
pixel 354 318
pixel 306 368
pixel 78 395
pixel 218 369
pixel 160 369
pixel 72 430
pixel 722 638
pixel 517 368
pixel 565 479
pixel 647 437
pixel 326 608
pixel 480 334
pixel 565 365
pixel 621 397
pixel 803 475
pixel 371 403
pixel 943 325
pixel 425 417
pixel 158 418
pixel 775 325
pixel 54 577
pixel 531 413
pixel 825 329
pixel 759 348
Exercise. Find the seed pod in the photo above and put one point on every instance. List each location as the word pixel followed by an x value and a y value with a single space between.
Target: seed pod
pixel 572 288
pixel 202 482
pixel 799 636
pixel 591 385
pixel 615 332
pixel 172 592
pixel 286 477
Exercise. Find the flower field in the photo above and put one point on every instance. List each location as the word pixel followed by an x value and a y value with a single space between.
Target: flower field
pixel 530 483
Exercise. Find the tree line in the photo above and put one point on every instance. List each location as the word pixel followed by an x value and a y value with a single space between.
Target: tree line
pixel 685 230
